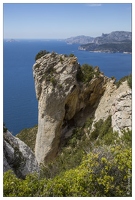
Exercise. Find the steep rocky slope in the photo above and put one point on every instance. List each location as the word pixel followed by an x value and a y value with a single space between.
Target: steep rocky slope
pixel 116 102
pixel 17 156
pixel 66 98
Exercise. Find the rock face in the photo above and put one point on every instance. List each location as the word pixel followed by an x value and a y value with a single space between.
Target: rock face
pixel 65 101
pixel 18 156
pixel 61 98
pixel 116 102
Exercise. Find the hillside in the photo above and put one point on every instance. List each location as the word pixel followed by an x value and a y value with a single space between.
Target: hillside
pixel 82 39
pixel 88 165
pixel 114 37
pixel 117 41
pixel 108 47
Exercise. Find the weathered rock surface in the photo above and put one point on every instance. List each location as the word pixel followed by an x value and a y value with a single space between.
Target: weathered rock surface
pixel 18 156
pixel 61 98
pixel 116 102
pixel 65 102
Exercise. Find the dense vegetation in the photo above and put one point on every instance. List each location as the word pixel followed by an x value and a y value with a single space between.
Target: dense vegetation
pixel 97 164
pixel 101 174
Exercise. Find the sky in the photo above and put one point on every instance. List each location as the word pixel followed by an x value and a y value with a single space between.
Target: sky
pixel 64 20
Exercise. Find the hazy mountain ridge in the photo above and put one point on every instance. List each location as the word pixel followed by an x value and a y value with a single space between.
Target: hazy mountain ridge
pixel 117 41
pixel 113 37
pixel 82 39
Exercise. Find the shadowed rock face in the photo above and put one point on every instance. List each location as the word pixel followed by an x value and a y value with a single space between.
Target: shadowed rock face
pixel 18 156
pixel 60 99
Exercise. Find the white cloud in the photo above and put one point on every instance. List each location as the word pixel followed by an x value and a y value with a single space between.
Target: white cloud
pixel 94 4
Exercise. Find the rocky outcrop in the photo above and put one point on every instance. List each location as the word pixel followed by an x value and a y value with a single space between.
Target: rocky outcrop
pixel 65 101
pixel 18 156
pixel 56 91
pixel 116 102
pixel 61 98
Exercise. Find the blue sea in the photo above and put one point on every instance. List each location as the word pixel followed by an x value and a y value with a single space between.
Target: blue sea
pixel 20 107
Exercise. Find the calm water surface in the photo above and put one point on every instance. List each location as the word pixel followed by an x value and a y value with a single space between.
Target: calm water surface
pixel 20 105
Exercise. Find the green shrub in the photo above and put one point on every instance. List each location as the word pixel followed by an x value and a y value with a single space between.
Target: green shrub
pixel 79 75
pixel 125 78
pixel 40 54
pixel 126 138
pixel 97 164
pixel 4 128
pixel 71 55
pixel 53 81
pixel 103 133
pixel 31 186
pixel 28 136
pixel 87 72
pixel 101 167
pixel 129 80
pixel 103 174
pixel 61 60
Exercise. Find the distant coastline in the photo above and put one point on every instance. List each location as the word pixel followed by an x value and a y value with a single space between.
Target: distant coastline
pixel 107 51
pixel 11 40
pixel 114 42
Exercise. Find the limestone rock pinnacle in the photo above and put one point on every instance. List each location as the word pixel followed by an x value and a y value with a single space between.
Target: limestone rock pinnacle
pixel 65 101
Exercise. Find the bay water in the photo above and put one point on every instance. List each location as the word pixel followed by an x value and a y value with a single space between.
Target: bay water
pixel 20 106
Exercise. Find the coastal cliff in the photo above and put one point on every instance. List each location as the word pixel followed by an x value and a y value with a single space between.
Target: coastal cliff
pixel 68 94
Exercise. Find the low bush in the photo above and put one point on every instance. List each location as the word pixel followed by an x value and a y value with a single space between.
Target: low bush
pixel 4 128
pixel 129 80
pixel 40 54
pixel 71 55
pixel 31 186
pixel 105 172
pixel 61 60
pixel 90 164
pixel 28 135
pixel 86 73
pixel 125 78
